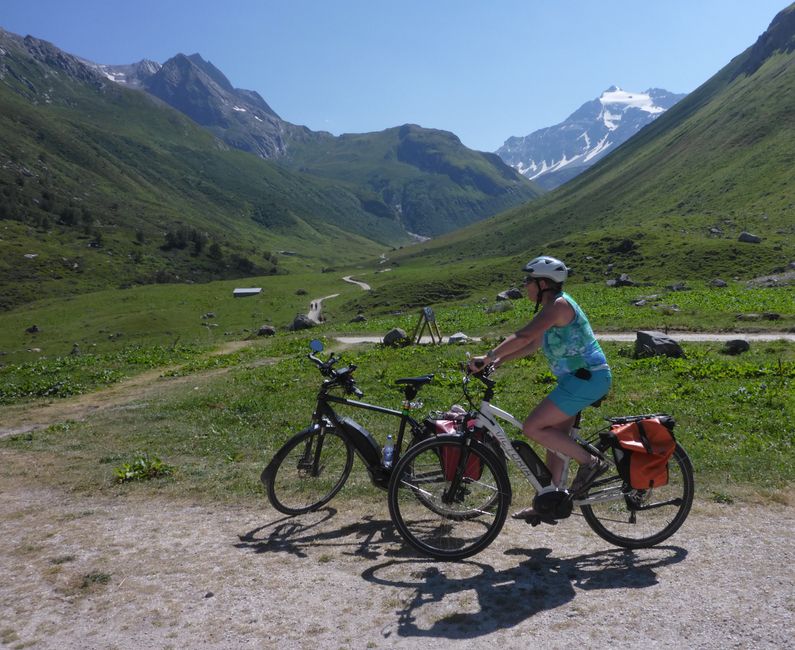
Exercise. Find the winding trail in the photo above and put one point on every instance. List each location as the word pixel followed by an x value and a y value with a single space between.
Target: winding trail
pixel 316 308
pixel 363 285
pixel 702 337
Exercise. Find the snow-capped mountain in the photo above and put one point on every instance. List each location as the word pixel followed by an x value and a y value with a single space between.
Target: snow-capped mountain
pixel 556 154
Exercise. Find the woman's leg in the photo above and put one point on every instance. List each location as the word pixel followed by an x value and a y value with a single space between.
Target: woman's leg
pixel 549 426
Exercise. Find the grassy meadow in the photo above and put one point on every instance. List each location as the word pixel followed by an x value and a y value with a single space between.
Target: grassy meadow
pixel 217 419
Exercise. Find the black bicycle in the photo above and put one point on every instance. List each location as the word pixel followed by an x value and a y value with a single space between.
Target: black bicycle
pixel 314 464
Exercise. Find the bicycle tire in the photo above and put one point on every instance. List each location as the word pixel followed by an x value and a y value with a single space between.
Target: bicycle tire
pixel 296 483
pixel 448 530
pixel 625 523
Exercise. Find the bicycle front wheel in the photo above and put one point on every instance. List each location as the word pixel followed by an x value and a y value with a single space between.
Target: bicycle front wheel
pixel 440 524
pixel 643 518
pixel 308 471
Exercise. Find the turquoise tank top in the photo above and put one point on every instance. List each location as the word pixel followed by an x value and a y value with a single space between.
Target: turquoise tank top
pixel 573 346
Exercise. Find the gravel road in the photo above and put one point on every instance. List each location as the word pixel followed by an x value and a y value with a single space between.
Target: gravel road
pixel 124 572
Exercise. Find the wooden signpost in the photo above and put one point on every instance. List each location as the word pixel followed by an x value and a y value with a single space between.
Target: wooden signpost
pixel 427 320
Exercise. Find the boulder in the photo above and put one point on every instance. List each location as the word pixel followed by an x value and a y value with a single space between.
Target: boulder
pixel 510 294
pixel 717 282
pixel 33 329
pixel 736 346
pixel 396 337
pixel 266 330
pixel 748 238
pixel 622 280
pixel 302 322
pixel 499 307
pixel 679 286
pixel 458 337
pixel 655 344
pixel 624 246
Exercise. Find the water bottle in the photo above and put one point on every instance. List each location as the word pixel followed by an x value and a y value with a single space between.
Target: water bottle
pixel 389 451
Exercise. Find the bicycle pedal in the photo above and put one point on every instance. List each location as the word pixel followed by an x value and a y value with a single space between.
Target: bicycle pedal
pixel 537 519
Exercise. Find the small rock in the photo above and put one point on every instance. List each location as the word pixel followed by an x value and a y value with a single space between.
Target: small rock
pixel 679 286
pixel 717 282
pixel 748 238
pixel 510 294
pixel 209 314
pixel 359 318
pixel 750 317
pixel 458 337
pixel 771 315
pixel 622 280
pixel 266 330
pixel 736 346
pixel 33 329
pixel 625 246
pixel 396 337
pixel 499 307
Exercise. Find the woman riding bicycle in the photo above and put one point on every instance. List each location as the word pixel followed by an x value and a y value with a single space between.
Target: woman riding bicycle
pixel 575 358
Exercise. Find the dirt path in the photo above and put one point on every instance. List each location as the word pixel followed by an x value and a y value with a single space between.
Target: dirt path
pixel 622 336
pixel 121 572
pixel 29 417
pixel 363 285
pixel 316 308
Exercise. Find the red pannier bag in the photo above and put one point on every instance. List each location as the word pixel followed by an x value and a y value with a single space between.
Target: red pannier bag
pixel 642 449
pixel 451 454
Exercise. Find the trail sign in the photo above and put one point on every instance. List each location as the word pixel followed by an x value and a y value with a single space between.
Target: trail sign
pixel 427 320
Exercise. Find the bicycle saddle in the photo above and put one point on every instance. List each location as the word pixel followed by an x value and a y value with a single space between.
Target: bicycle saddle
pixel 415 381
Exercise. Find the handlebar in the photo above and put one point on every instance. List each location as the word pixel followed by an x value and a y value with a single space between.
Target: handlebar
pixel 342 377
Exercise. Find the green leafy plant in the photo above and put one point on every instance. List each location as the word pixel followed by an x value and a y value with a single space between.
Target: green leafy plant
pixel 142 468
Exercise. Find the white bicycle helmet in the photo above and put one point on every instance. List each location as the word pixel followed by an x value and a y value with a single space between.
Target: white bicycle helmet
pixel 547 267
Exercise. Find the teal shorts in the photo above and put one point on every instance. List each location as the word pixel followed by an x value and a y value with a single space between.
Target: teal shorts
pixel 573 394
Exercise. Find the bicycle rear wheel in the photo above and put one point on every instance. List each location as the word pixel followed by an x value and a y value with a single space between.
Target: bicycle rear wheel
pixel 436 523
pixel 308 470
pixel 642 518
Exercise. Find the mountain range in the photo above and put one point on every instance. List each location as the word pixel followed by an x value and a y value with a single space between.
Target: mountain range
pixel 673 201
pixel 105 184
pixel 556 154
pixel 425 179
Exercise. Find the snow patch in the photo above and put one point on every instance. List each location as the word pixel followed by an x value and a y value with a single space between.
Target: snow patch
pixel 623 99
pixel 604 143
pixel 239 109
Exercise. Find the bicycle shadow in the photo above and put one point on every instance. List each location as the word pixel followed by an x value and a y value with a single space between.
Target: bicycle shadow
pixel 508 597
pixel 370 537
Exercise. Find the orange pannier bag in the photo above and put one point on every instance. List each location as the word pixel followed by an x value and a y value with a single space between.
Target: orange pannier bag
pixel 642 448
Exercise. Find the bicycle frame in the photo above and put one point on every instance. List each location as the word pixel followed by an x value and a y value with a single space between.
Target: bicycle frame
pixel 362 441
pixel 487 418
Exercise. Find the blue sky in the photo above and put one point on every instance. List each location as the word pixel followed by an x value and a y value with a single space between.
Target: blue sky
pixel 485 70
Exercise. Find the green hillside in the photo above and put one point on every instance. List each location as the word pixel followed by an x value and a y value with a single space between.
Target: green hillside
pixel 672 201
pixel 424 177
pixel 102 187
